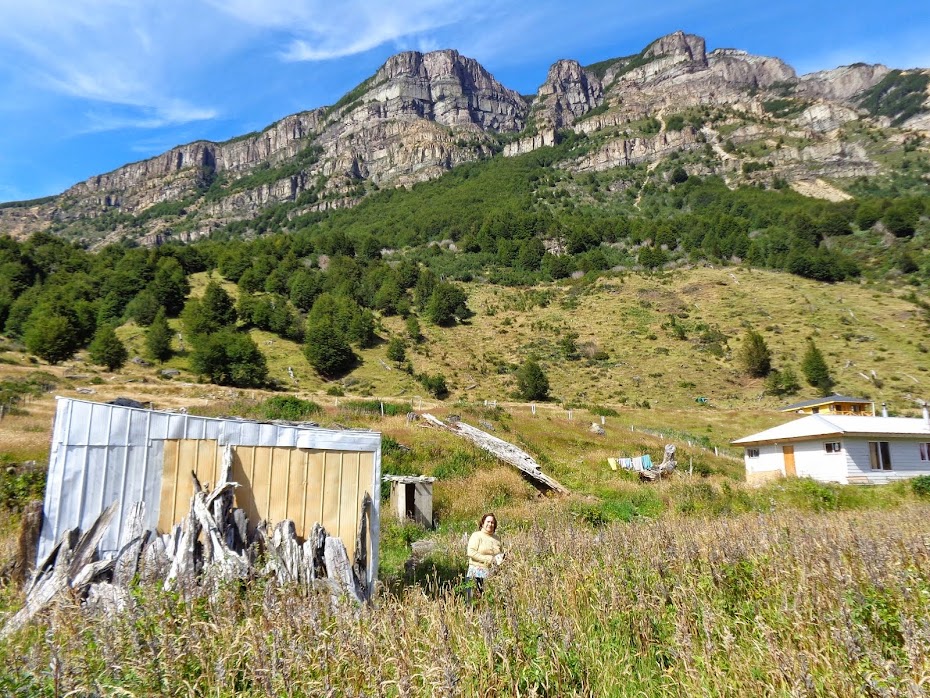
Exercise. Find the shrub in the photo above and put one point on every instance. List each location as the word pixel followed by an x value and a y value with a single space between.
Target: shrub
pixel 289 408
pixel 435 385
pixel 395 349
pixel 230 358
pixel 374 407
pixel 920 485
pixel 532 383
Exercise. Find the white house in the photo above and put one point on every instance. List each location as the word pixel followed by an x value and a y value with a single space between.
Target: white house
pixel 840 448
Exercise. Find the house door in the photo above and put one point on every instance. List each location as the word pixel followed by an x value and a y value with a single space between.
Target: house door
pixel 788 452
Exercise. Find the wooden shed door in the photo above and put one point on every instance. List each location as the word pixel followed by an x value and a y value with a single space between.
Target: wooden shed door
pixel 788 452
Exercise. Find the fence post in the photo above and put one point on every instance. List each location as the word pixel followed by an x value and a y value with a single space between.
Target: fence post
pixel 569 415
pixel 533 409
pixel 603 422
pixel 382 410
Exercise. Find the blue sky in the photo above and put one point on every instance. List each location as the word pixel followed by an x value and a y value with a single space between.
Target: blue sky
pixel 89 85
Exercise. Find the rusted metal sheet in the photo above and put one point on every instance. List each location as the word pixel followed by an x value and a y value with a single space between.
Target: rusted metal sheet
pixel 102 453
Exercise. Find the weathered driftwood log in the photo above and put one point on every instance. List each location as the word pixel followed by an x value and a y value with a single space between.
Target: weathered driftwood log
pixel 360 564
pixel 210 545
pixel 66 569
pixel 339 570
pixel 284 553
pixel 507 452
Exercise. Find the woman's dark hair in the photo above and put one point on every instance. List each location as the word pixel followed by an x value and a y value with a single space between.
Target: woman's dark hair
pixel 484 518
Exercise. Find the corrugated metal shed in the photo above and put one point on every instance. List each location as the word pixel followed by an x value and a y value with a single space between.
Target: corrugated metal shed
pixel 101 453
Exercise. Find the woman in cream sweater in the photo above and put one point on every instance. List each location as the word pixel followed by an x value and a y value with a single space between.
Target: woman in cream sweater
pixel 484 551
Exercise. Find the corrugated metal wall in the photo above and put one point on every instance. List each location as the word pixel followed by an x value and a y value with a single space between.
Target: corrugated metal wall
pixel 101 453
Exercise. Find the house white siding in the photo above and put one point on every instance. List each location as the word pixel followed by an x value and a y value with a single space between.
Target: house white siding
pixel 768 465
pixel 905 460
pixel 812 460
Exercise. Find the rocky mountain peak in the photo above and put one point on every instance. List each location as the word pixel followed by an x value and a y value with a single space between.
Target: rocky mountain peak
pixel 452 89
pixel 568 92
pixel 680 46
pixel 665 57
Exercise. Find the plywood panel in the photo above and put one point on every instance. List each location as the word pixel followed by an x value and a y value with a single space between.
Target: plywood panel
pixel 332 482
pixel 313 500
pixel 169 484
pixel 349 501
pixel 307 486
pixel 297 487
pixel 261 479
pixel 181 456
pixel 279 484
pixel 243 472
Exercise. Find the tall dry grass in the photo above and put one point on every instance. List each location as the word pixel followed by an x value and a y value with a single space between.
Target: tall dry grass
pixel 782 604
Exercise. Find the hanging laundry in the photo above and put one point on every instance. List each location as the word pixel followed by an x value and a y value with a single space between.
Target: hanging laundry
pixel 647 462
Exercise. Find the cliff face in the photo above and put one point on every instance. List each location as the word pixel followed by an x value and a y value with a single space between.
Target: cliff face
pixel 568 93
pixel 422 114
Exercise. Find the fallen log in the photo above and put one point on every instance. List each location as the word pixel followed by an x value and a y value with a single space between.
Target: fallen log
pixel 503 450
pixel 66 570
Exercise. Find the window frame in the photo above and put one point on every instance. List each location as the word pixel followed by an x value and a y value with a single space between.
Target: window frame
pixel 833 447
pixel 752 452
pixel 880 455
pixel 924 448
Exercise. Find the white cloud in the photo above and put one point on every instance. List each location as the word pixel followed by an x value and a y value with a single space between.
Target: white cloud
pixel 135 54
pixel 318 30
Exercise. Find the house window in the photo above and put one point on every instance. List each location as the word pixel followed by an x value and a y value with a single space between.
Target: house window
pixel 880 455
pixel 752 452
pixel 924 451
pixel 832 447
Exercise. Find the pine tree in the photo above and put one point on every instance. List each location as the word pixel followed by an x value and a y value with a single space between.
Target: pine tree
pixel 106 349
pixel 755 356
pixel 815 369
pixel 158 338
pixel 395 349
pixel 532 383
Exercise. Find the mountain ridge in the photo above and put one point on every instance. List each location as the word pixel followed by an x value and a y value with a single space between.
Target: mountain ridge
pixel 421 114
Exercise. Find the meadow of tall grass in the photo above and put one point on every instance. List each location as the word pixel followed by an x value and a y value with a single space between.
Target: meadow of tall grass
pixel 760 604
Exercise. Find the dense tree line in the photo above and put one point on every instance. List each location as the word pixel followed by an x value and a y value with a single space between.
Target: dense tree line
pixel 323 278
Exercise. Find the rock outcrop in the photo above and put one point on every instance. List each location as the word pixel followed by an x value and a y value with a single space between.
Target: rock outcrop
pixel 568 93
pixel 840 84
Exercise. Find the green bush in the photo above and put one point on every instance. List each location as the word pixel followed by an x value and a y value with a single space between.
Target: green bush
pixel 20 484
pixel 920 485
pixel 289 408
